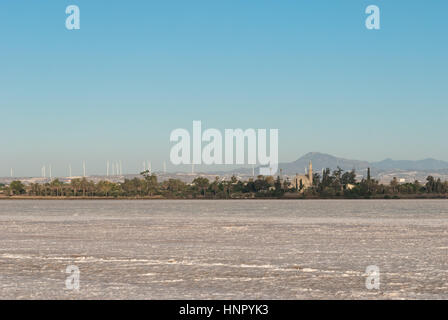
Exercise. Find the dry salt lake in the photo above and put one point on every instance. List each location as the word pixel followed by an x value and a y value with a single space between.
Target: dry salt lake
pixel 252 249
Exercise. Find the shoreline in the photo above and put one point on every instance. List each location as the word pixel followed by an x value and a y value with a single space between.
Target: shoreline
pixel 220 199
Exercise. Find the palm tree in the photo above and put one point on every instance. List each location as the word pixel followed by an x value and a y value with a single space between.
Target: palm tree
pixel 201 183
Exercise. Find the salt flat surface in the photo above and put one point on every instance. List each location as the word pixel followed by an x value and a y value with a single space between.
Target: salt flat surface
pixel 260 249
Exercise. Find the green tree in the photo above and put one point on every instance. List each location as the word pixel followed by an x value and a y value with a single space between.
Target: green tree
pixel 348 177
pixel 56 187
pixel 430 184
pixel 17 187
pixel 394 184
pixel 202 184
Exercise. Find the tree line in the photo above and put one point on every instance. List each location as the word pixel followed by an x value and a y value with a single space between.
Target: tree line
pixel 329 184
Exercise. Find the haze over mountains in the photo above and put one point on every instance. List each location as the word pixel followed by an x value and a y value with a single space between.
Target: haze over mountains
pixel 384 171
pixel 320 161
pixel 425 164
pixel 323 160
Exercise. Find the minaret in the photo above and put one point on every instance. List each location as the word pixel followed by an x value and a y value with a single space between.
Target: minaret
pixel 310 172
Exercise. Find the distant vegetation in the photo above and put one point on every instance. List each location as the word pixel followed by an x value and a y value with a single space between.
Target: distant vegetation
pixel 332 184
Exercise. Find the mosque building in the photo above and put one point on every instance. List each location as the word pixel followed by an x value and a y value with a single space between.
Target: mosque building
pixel 302 182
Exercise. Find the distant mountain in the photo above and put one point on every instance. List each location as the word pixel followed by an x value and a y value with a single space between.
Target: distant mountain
pixel 321 161
pixel 420 165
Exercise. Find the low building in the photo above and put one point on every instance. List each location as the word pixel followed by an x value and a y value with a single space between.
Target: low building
pixel 302 182
pixel 349 186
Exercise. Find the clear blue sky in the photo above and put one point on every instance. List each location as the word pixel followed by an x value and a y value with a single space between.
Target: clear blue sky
pixel 136 70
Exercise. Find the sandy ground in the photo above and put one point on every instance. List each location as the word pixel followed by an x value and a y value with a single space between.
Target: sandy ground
pixel 224 249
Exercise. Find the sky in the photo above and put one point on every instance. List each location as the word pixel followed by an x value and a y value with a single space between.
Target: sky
pixel 137 70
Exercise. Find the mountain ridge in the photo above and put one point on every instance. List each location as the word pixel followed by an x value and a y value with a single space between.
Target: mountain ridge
pixel 324 160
